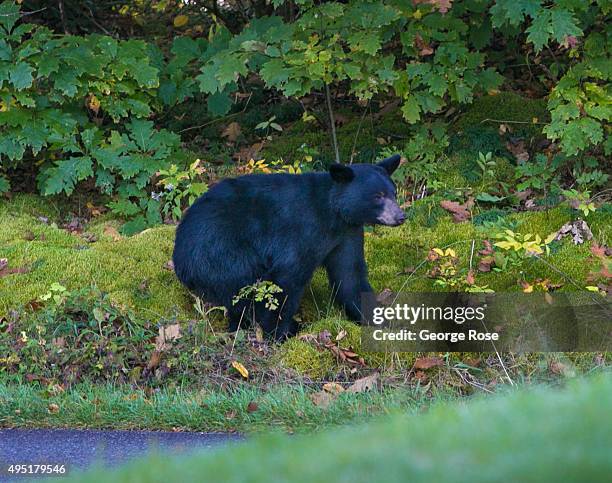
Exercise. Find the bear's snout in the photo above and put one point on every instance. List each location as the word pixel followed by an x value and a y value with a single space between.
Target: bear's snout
pixel 391 214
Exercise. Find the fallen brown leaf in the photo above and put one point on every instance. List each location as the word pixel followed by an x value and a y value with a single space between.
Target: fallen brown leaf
pixel 428 362
pixel 364 384
pixel 53 408
pixel 333 388
pixel 232 132
pixel 252 407
pixel 112 232
pixel 460 212
pixel 322 399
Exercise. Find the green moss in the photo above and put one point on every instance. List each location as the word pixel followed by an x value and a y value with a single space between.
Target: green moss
pixel 363 135
pixel 117 267
pixel 505 106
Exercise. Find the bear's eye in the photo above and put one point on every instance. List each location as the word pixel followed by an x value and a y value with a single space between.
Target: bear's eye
pixel 379 196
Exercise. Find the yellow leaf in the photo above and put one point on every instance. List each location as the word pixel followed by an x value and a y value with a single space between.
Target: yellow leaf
pixel 534 120
pixel 418 14
pixel 550 238
pixel 181 21
pixel 528 288
pixel 438 251
pixel 241 369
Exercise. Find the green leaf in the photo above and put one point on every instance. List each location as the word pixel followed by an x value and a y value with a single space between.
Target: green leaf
pixel 146 76
pixel 208 82
pixel 9 15
pixel 411 109
pixel 5 186
pixel 124 207
pixel 229 67
pixel 66 81
pixel 141 131
pixel 219 103
pixel 5 50
pixel 65 175
pixel 540 29
pixel 563 24
pixel 21 75
pixel 134 226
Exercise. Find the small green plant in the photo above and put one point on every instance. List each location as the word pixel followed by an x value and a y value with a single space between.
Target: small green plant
pixel 57 293
pixel 266 126
pixel 261 291
pixel 523 245
pixel 447 273
pixel 539 174
pixel 181 188
pixel 580 200
pixel 587 175
pixel 487 164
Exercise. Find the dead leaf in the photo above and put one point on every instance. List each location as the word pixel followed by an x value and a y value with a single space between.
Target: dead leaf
pixel 259 335
pixel 232 132
pixel 322 399
pixel 53 408
pixel 333 388
pixel 154 361
pixel 423 47
pixel 428 362
pixel 5 270
pixel 518 149
pixel 112 232
pixel 89 237
pixel 488 248
pixel 58 342
pixel 470 279
pixel 384 296
pixel 364 384
pixel 485 263
pixel 460 212
pixel 443 6
pixel 169 265
pixel 241 369
pixel 252 407
pixel 248 152
pixel 29 235
pixel 166 335
pixel 578 230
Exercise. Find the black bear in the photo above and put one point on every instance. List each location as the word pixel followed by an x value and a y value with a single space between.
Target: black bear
pixel 280 228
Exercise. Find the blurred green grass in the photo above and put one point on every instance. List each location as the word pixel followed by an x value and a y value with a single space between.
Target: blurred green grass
pixel 541 435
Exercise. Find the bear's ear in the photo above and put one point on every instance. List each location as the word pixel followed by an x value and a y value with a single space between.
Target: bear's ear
pixel 341 173
pixel 390 164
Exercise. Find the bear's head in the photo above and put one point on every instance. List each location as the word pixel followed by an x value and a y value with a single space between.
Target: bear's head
pixel 363 194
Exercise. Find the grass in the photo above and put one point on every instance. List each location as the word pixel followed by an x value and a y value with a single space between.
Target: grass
pixel 540 435
pixel 281 407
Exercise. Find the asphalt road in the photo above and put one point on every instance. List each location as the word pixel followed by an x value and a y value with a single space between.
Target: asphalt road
pixel 78 449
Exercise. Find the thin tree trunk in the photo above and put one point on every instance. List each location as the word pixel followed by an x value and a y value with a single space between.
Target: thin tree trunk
pixel 332 123
pixel 60 5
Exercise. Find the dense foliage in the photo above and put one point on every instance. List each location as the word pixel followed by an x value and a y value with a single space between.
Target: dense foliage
pixel 93 109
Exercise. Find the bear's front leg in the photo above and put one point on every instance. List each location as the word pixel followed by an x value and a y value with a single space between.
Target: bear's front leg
pixel 348 274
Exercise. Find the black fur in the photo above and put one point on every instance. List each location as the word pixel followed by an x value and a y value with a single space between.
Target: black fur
pixel 280 228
